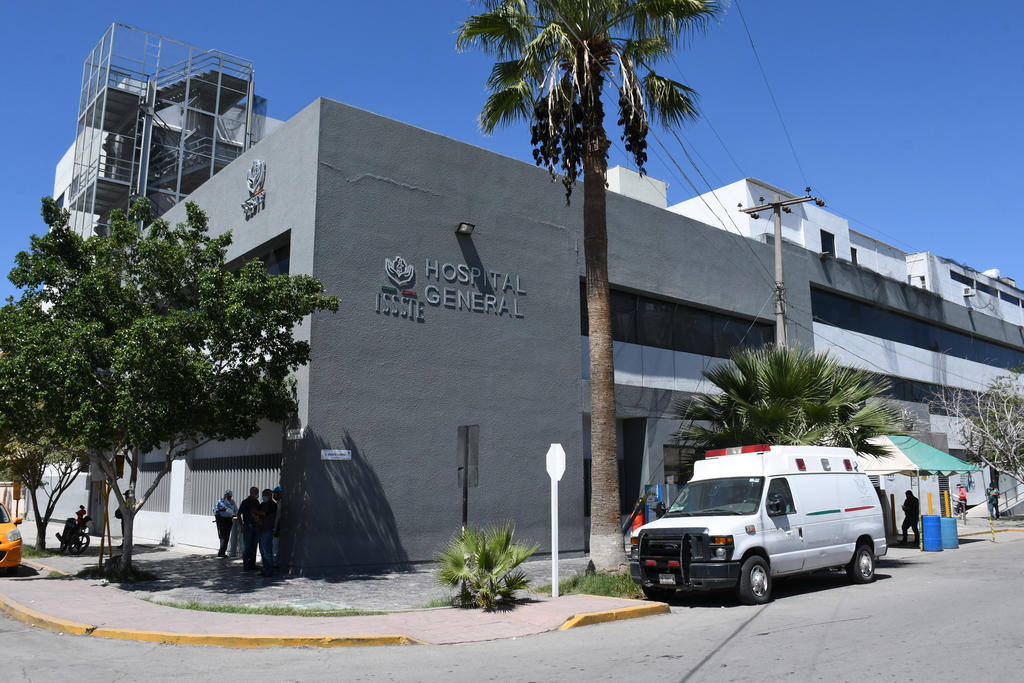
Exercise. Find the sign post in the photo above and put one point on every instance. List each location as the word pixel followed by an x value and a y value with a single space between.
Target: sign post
pixel 556 468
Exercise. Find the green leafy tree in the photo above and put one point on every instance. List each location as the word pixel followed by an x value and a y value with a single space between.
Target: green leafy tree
pixel 777 395
pixel 142 341
pixel 482 565
pixel 45 466
pixel 556 58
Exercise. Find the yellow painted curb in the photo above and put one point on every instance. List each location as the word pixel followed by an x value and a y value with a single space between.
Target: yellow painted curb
pixel 34 618
pixel 240 640
pixel 44 567
pixel 989 532
pixel 642 610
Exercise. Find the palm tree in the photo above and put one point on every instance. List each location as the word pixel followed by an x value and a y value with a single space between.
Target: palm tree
pixel 555 59
pixel 784 396
pixel 483 565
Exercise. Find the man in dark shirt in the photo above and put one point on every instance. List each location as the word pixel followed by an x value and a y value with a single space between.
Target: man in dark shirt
pixel 248 513
pixel 267 517
pixel 911 511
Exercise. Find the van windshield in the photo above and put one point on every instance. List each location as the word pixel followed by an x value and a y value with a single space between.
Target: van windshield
pixel 730 496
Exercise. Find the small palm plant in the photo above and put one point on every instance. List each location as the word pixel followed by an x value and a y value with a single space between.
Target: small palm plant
pixel 483 566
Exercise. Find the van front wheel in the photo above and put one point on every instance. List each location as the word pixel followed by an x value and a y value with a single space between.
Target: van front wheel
pixel 755 586
pixel 862 567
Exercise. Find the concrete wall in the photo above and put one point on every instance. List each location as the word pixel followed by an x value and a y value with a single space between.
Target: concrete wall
pixel 350 190
pixel 393 390
pixel 933 273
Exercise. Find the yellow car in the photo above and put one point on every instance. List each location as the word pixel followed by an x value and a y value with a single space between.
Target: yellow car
pixel 10 541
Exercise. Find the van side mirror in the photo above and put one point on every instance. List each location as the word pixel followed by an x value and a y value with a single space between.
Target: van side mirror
pixel 776 505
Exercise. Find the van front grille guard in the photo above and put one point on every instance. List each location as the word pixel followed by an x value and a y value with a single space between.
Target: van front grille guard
pixel 681 545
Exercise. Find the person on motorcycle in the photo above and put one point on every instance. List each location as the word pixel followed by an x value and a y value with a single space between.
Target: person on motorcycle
pixel 961 494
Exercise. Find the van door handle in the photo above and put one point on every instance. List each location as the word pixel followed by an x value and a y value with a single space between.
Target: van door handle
pixel 801 530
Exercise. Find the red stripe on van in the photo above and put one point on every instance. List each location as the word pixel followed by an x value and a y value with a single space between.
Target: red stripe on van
pixel 862 507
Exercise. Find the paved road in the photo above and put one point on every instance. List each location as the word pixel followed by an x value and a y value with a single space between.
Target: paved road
pixel 928 615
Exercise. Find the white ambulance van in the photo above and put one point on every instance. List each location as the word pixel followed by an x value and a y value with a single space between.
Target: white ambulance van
pixel 753 513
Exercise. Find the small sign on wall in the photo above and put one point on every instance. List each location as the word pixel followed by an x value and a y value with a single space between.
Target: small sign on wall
pixel 329 454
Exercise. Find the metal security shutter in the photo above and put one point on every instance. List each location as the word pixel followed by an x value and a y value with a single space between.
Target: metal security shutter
pixel 206 479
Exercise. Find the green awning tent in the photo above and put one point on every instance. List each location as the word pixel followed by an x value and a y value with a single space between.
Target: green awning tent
pixel 907 455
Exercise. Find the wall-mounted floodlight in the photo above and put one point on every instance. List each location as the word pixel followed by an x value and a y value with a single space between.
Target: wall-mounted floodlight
pixel 464 229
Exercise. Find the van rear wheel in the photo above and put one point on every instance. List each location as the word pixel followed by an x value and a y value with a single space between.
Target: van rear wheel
pixel 862 567
pixel 755 585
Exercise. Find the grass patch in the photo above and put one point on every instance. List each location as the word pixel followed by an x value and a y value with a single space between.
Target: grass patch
pixel 134 575
pixel 57 575
pixel 439 602
pixel 613 585
pixel 272 610
pixel 31 551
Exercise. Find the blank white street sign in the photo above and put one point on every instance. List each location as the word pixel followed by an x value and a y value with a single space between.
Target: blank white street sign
pixel 556 468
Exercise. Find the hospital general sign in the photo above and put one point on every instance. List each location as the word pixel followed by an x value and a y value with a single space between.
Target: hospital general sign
pixel 407 293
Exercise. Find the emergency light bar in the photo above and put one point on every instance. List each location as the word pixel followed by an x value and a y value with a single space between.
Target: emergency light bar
pixel 736 450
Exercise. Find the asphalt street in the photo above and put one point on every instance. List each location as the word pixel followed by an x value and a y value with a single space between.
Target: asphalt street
pixel 929 616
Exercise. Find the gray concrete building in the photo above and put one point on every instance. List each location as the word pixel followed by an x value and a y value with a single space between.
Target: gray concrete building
pixel 438 330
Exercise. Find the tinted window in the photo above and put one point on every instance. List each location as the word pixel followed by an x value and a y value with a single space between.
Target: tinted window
pixel 781 487
pixel 853 255
pixel 654 323
pixel 962 279
pixel 693 332
pixel 1009 297
pixel 833 309
pixel 623 316
pixel 828 243
pixel 638 319
pixel 982 287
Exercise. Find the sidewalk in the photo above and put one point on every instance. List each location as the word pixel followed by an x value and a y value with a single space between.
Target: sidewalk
pixel 95 608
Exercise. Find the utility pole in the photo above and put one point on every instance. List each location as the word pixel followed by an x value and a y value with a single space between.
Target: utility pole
pixel 777 207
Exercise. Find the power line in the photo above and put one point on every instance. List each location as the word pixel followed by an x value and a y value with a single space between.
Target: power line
pixel 707 120
pixel 746 240
pixel 775 103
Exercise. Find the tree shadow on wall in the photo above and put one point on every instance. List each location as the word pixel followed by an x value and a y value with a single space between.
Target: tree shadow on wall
pixel 340 519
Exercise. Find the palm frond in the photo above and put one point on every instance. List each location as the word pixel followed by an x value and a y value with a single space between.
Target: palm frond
pixel 506 106
pixel 502 32
pixel 674 19
pixel 788 397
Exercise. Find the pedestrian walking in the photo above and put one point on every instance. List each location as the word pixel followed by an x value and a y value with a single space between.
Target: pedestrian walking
pixel 224 513
pixel 267 514
pixel 248 513
pixel 992 496
pixel 277 526
pixel 961 501
pixel 911 512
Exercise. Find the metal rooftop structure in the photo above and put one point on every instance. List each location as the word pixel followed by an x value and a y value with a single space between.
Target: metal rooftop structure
pixel 156 119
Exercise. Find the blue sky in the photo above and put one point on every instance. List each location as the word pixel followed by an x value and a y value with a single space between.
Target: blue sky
pixel 904 116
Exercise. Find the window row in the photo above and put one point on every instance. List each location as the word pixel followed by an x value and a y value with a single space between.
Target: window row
pixel 982 287
pixel 848 314
pixel 638 319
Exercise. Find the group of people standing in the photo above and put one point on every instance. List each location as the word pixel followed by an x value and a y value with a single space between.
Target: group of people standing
pixel 259 523
pixel 912 508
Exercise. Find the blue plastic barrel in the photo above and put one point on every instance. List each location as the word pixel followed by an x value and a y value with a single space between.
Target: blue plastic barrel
pixel 949 537
pixel 932 533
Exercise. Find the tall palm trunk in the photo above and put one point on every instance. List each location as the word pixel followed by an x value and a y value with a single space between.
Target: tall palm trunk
pixel 605 531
